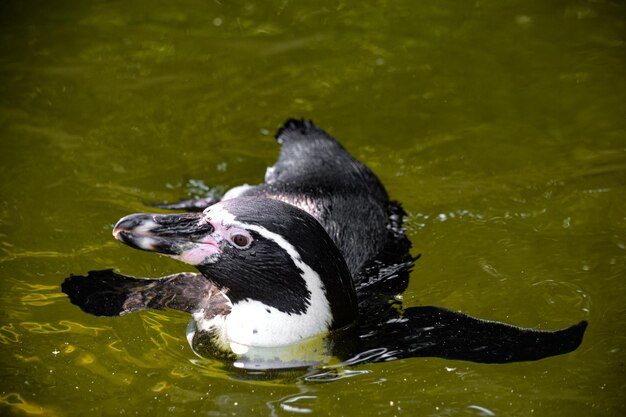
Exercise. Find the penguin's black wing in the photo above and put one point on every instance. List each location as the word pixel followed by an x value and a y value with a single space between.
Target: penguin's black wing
pixel 438 332
pixel 107 293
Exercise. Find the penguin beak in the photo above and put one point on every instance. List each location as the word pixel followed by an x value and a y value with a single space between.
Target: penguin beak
pixel 186 237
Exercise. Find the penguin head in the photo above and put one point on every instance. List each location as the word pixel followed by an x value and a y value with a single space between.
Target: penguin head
pixel 260 252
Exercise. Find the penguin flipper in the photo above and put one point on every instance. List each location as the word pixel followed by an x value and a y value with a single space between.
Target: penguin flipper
pixel 438 332
pixel 107 293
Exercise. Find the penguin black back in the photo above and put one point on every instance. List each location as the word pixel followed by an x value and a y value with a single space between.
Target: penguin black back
pixel 315 173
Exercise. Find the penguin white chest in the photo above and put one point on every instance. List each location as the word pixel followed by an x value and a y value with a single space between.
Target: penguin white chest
pixel 252 323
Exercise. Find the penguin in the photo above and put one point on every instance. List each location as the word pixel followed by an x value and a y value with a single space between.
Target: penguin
pixel 305 265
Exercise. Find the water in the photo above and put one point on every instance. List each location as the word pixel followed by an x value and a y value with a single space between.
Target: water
pixel 499 125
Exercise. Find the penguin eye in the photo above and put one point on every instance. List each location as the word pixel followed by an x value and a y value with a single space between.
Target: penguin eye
pixel 241 240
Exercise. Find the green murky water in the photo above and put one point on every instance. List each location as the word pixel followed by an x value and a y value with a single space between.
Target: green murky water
pixel 499 124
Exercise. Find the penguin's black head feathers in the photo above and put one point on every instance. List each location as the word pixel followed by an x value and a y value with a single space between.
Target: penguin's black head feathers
pixel 254 249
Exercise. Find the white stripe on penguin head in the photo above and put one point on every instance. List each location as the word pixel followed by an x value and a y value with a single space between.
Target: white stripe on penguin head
pixel 279 328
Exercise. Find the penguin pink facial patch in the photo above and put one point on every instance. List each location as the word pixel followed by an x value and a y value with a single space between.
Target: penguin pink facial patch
pixel 200 252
